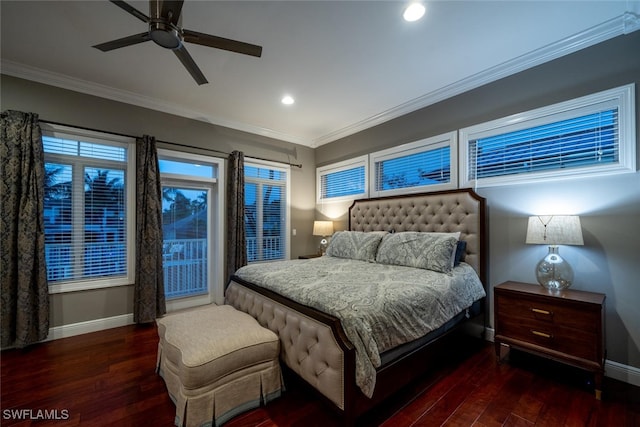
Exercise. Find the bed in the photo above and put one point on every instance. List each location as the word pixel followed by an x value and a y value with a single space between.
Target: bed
pixel 326 311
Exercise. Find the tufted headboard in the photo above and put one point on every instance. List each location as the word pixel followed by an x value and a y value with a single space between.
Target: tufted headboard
pixel 445 211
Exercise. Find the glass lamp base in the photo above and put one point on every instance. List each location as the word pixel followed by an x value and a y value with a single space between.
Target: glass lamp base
pixel 553 272
pixel 323 247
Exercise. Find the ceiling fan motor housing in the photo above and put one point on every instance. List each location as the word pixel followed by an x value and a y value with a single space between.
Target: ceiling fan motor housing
pixel 165 34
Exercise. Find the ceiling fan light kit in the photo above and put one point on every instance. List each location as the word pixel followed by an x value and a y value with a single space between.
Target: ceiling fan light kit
pixel 166 31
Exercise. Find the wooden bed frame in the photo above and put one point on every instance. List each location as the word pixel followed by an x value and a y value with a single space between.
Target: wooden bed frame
pixel 314 345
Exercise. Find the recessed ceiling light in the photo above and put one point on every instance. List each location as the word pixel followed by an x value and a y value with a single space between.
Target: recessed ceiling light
pixel 413 12
pixel 288 100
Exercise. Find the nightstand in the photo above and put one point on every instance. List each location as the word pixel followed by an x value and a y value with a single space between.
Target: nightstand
pixel 309 256
pixel 566 326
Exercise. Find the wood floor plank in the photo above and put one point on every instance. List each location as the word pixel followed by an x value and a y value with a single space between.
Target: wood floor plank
pixel 108 378
pixel 492 378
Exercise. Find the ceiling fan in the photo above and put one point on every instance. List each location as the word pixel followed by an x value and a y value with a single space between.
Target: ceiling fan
pixel 165 30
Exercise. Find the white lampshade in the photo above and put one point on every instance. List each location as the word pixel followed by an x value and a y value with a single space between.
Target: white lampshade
pixel 322 228
pixel 554 230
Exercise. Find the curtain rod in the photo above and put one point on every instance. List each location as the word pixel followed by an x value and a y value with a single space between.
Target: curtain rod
pixel 177 144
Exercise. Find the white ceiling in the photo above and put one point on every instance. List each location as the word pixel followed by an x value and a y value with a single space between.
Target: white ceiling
pixel 349 64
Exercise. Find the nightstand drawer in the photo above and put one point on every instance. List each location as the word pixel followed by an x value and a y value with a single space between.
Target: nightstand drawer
pixel 563 313
pixel 579 343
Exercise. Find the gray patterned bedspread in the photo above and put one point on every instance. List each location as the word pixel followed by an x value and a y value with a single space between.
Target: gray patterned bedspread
pixel 380 306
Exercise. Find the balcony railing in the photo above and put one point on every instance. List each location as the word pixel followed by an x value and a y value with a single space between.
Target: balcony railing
pixel 272 248
pixel 185 267
pixel 100 260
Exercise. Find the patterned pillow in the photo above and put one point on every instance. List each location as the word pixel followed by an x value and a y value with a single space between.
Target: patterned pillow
pixel 355 245
pixel 431 251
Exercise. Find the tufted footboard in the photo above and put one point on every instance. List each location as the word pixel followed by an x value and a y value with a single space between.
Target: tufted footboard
pixel 308 340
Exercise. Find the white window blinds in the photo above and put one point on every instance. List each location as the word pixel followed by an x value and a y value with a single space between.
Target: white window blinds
pixel 265 212
pixel 343 180
pixel 587 136
pixel 415 170
pixel 85 210
pixel 423 165
pixel 587 140
pixel 347 182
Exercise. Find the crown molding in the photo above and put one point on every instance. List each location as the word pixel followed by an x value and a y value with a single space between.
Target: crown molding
pixel 39 75
pixel 623 24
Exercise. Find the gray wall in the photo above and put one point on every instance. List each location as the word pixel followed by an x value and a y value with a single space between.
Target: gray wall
pixel 609 207
pixel 609 261
pixel 76 109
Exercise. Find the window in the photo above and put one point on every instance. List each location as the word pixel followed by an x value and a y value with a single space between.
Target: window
pixel 266 211
pixel 343 181
pixel 192 229
pixel 591 135
pixel 88 209
pixel 417 166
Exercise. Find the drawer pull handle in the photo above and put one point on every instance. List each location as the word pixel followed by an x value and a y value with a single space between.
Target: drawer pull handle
pixel 537 310
pixel 541 334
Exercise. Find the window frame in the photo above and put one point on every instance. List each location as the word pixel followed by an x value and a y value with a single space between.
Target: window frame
pixel 287 194
pixel 215 218
pixel 449 139
pixel 622 98
pixel 71 133
pixel 344 165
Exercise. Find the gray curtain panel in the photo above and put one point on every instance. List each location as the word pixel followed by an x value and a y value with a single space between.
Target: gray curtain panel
pixel 236 238
pixel 25 291
pixel 149 300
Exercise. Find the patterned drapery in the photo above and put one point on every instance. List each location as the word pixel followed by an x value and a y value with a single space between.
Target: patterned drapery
pixel 149 299
pixel 236 238
pixel 25 291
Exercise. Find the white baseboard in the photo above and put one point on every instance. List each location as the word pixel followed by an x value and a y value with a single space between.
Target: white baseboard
pixel 96 325
pixel 625 373
pixel 615 370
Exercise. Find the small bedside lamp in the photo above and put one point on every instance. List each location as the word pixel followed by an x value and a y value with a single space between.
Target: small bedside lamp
pixel 324 229
pixel 553 272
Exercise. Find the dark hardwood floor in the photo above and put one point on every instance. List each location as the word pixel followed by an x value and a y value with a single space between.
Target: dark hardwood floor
pixel 108 378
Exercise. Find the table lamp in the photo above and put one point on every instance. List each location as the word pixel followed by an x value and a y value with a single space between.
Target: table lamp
pixel 553 272
pixel 324 229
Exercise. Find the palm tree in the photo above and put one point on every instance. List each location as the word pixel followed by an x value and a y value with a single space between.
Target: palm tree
pixel 53 189
pixel 103 197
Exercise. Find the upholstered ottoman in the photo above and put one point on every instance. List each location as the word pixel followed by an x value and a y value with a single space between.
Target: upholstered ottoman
pixel 217 362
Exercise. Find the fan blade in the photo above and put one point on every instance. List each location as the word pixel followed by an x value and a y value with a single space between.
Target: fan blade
pixel 222 43
pixel 132 10
pixel 123 42
pixel 190 65
pixel 175 7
